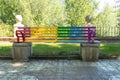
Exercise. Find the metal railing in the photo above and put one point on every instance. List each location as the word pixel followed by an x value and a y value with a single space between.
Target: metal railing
pixel 108 31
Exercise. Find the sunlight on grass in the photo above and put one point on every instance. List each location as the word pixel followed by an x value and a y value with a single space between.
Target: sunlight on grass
pixel 101 45
pixel 5 49
pixel 59 45
pixel 5 44
pixel 55 45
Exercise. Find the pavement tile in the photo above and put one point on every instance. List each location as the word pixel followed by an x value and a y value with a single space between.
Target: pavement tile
pixel 60 70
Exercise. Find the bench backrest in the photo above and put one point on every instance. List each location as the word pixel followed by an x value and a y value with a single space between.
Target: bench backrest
pixel 54 34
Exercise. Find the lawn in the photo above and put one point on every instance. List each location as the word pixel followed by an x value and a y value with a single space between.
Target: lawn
pixel 6 49
pixel 110 49
pixel 54 49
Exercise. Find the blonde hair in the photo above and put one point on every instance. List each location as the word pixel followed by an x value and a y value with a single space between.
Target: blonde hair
pixel 19 17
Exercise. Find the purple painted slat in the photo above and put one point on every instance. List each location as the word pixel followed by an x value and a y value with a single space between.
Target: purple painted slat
pixel 85 30
pixel 87 36
pixel 88 27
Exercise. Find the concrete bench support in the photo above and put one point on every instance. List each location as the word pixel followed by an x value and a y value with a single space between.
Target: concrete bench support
pixel 21 51
pixel 90 52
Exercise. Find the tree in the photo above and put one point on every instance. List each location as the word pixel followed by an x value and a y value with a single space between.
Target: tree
pixel 7 10
pixel 118 17
pixel 10 8
pixel 49 12
pixel 105 20
pixel 26 12
pixel 77 10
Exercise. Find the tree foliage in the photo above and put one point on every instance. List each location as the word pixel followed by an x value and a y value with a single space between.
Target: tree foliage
pixel 25 11
pixel 53 13
pixel 49 12
pixel 77 10
pixel 8 8
pixel 105 20
pixel 118 17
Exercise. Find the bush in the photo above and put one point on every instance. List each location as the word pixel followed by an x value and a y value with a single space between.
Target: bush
pixel 6 30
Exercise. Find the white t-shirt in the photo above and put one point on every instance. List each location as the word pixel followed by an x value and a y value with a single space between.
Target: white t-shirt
pixel 19 24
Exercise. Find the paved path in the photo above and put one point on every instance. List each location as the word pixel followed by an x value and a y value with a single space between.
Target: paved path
pixel 60 70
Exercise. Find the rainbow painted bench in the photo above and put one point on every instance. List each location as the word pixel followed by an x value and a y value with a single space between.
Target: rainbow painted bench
pixel 67 34
pixel 85 35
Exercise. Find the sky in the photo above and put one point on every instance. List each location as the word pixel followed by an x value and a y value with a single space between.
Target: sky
pixel 104 2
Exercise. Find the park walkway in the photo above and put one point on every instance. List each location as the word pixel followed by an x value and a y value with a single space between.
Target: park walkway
pixel 60 70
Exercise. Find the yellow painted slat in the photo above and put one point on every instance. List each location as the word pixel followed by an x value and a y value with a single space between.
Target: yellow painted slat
pixel 43 34
pixel 41 41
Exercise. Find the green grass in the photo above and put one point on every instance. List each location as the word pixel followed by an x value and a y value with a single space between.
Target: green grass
pixel 5 49
pixel 54 49
pixel 110 49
